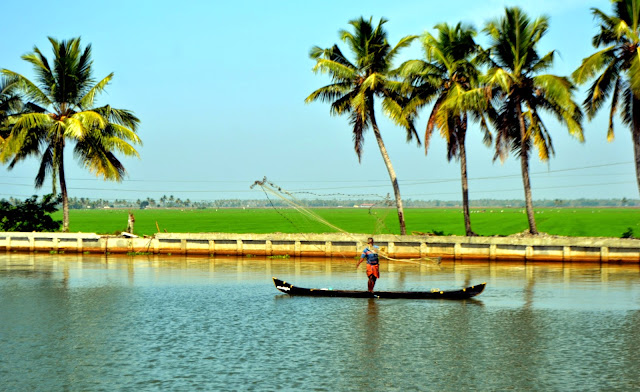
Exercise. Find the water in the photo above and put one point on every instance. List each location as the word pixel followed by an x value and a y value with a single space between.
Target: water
pixel 97 323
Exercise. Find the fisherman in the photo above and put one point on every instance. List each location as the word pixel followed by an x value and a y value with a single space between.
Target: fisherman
pixel 373 265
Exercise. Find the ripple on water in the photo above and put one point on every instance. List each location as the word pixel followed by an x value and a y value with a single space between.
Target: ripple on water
pixel 221 325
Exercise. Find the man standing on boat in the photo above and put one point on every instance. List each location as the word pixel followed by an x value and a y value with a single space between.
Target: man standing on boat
pixel 373 265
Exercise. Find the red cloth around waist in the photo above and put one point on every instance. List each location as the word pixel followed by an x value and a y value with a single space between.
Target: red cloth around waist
pixel 373 270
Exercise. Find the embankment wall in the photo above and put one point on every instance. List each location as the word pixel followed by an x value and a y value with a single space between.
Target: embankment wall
pixel 539 248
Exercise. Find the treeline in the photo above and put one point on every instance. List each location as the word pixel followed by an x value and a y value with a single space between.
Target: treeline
pixel 560 203
pixel 171 202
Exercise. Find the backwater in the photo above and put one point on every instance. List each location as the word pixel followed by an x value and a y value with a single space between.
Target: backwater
pixel 104 323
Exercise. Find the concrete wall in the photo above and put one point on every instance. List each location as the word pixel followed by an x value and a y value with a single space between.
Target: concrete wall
pixel 335 244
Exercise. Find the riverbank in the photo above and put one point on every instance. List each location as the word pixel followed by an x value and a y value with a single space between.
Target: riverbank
pixel 517 247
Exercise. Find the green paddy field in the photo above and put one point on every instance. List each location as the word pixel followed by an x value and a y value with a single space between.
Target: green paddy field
pixel 576 222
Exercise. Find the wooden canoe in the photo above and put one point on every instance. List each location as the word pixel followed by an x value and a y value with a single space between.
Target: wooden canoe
pixel 465 293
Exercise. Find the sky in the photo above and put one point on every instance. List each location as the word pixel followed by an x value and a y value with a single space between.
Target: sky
pixel 220 87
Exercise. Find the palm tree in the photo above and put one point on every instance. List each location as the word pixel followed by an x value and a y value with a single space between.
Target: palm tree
pixel 616 68
pixel 446 75
pixel 356 84
pixel 62 111
pixel 522 93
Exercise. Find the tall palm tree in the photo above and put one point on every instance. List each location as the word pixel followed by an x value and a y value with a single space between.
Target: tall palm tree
pixel 62 111
pixel 446 75
pixel 356 84
pixel 522 93
pixel 616 68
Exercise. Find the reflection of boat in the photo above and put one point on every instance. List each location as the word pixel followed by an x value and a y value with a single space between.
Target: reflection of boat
pixel 469 292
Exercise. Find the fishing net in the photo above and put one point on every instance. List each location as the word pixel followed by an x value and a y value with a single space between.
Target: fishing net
pixel 378 207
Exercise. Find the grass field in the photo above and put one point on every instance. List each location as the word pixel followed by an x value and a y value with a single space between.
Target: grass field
pixel 577 222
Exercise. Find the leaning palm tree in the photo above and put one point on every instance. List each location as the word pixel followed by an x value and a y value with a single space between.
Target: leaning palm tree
pixel 446 75
pixel 616 68
pixel 357 83
pixel 62 111
pixel 522 93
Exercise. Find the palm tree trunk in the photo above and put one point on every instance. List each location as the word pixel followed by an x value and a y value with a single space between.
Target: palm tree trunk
pixel 63 191
pixel 392 174
pixel 635 136
pixel 524 165
pixel 463 174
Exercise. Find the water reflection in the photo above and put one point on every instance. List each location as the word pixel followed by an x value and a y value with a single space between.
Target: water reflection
pixel 184 323
pixel 527 280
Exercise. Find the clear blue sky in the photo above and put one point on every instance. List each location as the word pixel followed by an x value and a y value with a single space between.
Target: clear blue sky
pixel 220 89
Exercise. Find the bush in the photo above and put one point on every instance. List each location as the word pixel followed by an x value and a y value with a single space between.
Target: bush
pixel 30 215
pixel 628 233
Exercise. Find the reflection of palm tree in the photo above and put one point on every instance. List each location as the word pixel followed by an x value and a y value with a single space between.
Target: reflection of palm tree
pixel 523 92
pixel 447 75
pixel 616 69
pixel 61 111
pixel 529 287
pixel 372 327
pixel 356 84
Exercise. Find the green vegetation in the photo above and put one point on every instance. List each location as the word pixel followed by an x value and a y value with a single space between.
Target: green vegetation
pixel 513 92
pixel 29 215
pixel 447 74
pixel 356 84
pixel 503 82
pixel 279 257
pixel 615 70
pixel 10 104
pixel 515 78
pixel 60 110
pixel 628 233
pixel 589 222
